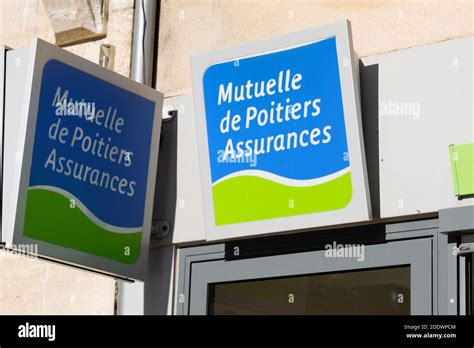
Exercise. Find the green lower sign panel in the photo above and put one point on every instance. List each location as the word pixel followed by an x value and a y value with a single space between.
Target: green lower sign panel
pixel 50 218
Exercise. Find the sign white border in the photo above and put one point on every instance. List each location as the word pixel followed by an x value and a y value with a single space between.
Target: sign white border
pixel 40 52
pixel 358 208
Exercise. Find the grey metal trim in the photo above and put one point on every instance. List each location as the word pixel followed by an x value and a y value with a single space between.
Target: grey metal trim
pixel 465 249
pixel 445 264
pixel 419 229
pixel 15 81
pixel 417 253
pixel 186 257
pixel 164 207
pixel 412 226
pixel 459 219
pixel 429 232
pixel 469 280
pixel 446 275
pixel 462 286
pixel 434 272
pixel 157 286
pixel 130 298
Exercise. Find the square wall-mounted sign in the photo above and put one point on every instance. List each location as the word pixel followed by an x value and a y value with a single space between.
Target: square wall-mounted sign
pixel 87 144
pixel 280 135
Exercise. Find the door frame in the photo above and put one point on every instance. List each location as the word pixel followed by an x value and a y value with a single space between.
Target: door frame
pixel 444 264
pixel 415 253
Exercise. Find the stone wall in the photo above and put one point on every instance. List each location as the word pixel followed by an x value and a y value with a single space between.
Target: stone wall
pixel 193 26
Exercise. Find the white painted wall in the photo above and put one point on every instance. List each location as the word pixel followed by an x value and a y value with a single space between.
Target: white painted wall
pixel 189 223
pixel 426 103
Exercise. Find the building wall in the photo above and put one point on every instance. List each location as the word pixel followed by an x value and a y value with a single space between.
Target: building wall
pixel 194 26
pixel 409 41
pixel 187 27
pixel 22 20
pixel 34 286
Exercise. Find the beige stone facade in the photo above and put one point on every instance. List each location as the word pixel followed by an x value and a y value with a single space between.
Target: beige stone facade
pixel 22 20
pixel 34 286
pixel 189 26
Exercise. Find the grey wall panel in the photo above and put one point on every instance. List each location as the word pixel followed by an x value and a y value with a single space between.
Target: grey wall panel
pixel 425 103
pixel 189 223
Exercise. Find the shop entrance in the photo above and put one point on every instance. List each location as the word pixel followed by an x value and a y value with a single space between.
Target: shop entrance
pixel 392 278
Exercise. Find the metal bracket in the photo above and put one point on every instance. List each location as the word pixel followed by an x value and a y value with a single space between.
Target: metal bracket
pixel 107 56
pixel 464 249
pixel 160 229
pixel 164 207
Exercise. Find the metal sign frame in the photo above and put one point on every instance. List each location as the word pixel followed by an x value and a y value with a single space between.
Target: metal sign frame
pixel 358 208
pixel 41 53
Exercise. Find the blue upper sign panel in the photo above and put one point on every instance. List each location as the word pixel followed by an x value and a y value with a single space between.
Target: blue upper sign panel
pixel 92 142
pixel 280 113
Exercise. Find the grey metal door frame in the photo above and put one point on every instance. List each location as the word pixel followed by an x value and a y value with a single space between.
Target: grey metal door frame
pixel 186 257
pixel 416 253
pixel 446 272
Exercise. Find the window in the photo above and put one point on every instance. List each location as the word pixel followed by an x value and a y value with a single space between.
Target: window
pixel 373 291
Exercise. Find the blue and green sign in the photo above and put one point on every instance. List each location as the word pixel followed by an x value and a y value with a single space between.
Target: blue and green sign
pixel 276 134
pixel 279 135
pixel 91 145
pixel 90 164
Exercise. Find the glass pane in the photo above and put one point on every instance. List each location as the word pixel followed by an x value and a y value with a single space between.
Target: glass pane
pixel 374 291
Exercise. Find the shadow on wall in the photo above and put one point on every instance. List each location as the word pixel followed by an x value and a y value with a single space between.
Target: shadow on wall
pixel 369 92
